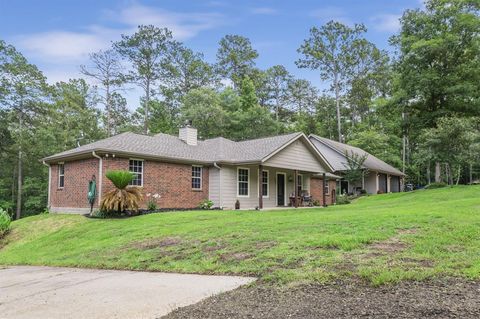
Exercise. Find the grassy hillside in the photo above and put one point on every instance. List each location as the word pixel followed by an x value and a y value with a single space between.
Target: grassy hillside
pixel 384 238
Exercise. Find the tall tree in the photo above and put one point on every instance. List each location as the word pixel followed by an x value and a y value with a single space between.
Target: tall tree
pixel 22 91
pixel 331 50
pixel 277 80
pixel 106 69
pixel 235 58
pixel 148 50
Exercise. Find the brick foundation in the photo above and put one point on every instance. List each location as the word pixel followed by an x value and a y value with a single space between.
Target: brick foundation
pixel 316 190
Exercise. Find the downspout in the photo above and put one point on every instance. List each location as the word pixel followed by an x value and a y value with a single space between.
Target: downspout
pixel 219 183
pixel 100 179
pixel 49 181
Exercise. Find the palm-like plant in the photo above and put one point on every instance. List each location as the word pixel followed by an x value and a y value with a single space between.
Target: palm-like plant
pixel 123 197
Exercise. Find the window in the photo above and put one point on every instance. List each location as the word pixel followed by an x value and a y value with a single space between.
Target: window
pixel 327 188
pixel 61 175
pixel 197 177
pixel 243 179
pixel 265 183
pixel 299 184
pixel 136 167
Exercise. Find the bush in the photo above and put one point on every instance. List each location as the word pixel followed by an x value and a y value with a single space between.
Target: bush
pixel 343 199
pixel 124 197
pixel 436 185
pixel 5 221
pixel 206 204
pixel 316 202
pixel 120 178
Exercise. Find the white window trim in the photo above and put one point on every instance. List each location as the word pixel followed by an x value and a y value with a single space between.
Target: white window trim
pixel 58 171
pixel 201 178
pixel 248 182
pixel 327 188
pixel 268 184
pixel 143 169
pixel 301 185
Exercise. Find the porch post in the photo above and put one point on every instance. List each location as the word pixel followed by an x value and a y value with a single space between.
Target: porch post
pixel 295 187
pixel 324 195
pixel 376 183
pixel 260 186
pixel 388 183
pixel 363 179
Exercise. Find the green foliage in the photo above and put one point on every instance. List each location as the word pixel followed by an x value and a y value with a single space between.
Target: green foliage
pixel 120 178
pixel 354 167
pixel 342 199
pixel 5 221
pixel 152 205
pixel 436 185
pixel 206 204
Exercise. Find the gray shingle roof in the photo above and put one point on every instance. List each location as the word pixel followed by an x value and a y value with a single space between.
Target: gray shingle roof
pixel 335 153
pixel 171 147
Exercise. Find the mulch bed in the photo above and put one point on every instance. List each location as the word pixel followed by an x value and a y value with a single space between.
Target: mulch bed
pixel 452 298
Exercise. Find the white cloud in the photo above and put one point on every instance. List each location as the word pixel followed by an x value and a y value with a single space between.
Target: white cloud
pixel 386 22
pixel 331 13
pixel 264 10
pixel 182 25
pixel 62 45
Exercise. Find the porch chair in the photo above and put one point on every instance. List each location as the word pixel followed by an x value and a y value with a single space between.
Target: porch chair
pixel 306 198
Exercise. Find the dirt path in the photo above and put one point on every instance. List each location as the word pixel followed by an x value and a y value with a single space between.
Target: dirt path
pixel 435 299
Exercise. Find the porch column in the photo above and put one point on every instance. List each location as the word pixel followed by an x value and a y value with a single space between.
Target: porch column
pixel 295 187
pixel 324 195
pixel 363 179
pixel 388 183
pixel 260 185
pixel 376 183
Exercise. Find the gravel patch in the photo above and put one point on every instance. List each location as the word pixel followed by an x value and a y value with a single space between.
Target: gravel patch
pixel 453 298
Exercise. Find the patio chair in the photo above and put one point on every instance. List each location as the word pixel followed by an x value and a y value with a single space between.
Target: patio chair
pixel 306 198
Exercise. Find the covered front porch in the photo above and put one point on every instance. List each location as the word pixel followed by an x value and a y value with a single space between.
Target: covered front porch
pixel 262 186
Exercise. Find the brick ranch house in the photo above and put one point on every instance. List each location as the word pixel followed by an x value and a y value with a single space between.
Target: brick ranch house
pixel 183 171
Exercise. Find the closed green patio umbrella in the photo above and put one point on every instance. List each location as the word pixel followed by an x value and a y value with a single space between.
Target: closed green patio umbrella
pixel 92 192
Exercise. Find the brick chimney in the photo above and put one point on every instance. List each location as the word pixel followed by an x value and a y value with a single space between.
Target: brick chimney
pixel 188 133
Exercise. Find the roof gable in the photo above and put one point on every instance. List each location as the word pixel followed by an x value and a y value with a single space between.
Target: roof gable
pixel 335 153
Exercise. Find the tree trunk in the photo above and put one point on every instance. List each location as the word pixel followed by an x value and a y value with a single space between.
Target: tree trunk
pixel 20 168
pixel 337 100
pixel 428 174
pixel 147 105
pixel 437 172
pixel 470 173
pixel 108 109
pixel 458 174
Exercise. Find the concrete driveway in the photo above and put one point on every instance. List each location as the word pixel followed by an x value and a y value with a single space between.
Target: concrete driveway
pixel 47 292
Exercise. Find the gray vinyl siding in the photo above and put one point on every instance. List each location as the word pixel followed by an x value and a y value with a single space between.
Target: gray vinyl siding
pixel 296 156
pixel 214 186
pixel 229 186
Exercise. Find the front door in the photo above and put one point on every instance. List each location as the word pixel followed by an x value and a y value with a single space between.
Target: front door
pixel 280 189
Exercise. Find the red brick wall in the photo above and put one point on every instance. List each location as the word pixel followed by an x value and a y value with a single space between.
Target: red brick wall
pixel 316 190
pixel 75 191
pixel 171 181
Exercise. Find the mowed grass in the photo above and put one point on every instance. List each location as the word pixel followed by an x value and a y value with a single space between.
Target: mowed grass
pixel 383 239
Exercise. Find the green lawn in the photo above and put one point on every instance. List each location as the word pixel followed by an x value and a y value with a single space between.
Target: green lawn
pixel 384 238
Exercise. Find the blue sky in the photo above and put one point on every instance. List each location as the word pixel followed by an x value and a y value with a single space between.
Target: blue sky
pixel 57 35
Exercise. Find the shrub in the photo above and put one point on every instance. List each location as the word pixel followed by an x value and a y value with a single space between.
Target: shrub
pixel 152 205
pixel 436 185
pixel 343 199
pixel 363 192
pixel 5 221
pixel 124 197
pixel 206 204
pixel 316 202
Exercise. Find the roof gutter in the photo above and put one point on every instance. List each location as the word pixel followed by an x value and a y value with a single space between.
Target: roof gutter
pixel 100 176
pixel 220 183
pixel 49 183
